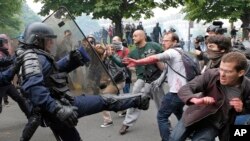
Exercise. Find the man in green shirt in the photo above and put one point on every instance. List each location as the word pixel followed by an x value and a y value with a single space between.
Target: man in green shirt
pixel 145 75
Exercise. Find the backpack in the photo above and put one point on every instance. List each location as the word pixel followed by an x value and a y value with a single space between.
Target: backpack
pixel 192 68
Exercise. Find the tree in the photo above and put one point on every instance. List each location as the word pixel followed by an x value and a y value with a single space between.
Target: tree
pixel 114 10
pixel 28 15
pixel 16 24
pixel 9 15
pixel 210 10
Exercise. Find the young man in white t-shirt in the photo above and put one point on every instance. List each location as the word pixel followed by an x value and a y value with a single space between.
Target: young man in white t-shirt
pixel 171 103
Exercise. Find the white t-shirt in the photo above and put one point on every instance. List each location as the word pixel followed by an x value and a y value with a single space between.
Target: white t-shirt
pixel 173 57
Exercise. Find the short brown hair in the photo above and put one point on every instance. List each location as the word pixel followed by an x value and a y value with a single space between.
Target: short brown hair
pixel 175 37
pixel 221 41
pixel 237 57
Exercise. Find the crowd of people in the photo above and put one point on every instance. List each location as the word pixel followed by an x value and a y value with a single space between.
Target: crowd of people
pixel 205 106
pixel 128 30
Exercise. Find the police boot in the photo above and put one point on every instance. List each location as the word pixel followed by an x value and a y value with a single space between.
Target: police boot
pixel 144 102
pixel 30 128
pixel 125 101
pixel 24 106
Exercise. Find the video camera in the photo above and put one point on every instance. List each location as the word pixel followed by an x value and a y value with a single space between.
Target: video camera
pixel 217 27
pixel 199 38
pixel 2 41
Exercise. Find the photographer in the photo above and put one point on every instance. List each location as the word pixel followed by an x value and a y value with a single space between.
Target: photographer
pixel 200 48
pixel 212 30
pixel 199 43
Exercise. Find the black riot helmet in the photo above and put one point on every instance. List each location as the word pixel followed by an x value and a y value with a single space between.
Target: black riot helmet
pixel 36 33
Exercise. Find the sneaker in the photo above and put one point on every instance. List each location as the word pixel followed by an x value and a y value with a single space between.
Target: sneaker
pixel 122 114
pixel 123 130
pixel 107 124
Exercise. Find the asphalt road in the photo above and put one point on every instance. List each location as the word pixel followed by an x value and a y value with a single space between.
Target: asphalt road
pixel 12 120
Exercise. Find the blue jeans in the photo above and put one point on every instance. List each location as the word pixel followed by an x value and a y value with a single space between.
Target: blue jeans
pixel 242 120
pixel 200 132
pixel 171 103
pixel 126 88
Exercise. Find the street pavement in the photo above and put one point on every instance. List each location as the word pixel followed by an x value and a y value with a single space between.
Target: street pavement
pixel 12 120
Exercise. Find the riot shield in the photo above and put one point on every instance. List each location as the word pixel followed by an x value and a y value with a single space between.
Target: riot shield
pixel 91 77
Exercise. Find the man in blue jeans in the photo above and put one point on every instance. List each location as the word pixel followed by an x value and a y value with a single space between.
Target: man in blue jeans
pixel 225 94
pixel 170 102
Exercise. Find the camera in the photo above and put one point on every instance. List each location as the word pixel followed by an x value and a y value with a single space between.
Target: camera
pixel 217 27
pixel 199 39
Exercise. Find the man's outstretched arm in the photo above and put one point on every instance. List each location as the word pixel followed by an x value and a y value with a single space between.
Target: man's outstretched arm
pixel 148 60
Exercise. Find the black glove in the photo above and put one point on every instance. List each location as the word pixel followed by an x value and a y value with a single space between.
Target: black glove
pixel 67 114
pixel 76 56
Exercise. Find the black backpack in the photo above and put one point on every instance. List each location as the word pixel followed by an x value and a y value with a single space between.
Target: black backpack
pixel 192 68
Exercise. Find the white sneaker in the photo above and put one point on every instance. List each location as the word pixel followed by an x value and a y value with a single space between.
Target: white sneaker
pixel 123 114
pixel 106 124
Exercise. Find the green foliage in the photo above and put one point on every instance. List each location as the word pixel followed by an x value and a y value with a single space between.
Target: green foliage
pixel 210 10
pixel 29 15
pixel 9 13
pixel 102 8
pixel 16 16
pixel 114 10
pixel 165 4
pixel 12 32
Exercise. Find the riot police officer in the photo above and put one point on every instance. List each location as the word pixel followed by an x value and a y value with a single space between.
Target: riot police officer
pixel 6 75
pixel 44 83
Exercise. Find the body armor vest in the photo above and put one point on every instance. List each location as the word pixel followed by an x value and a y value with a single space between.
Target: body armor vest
pixel 55 81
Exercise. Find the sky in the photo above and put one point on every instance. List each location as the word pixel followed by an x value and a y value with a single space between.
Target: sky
pixel 34 6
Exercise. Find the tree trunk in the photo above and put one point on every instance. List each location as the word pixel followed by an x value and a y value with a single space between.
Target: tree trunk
pixel 118 27
pixel 245 23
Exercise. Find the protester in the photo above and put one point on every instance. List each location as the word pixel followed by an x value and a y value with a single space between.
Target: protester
pixel 225 93
pixel 145 75
pixel 170 101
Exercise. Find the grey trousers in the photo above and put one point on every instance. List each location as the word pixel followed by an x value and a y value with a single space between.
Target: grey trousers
pixel 140 86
